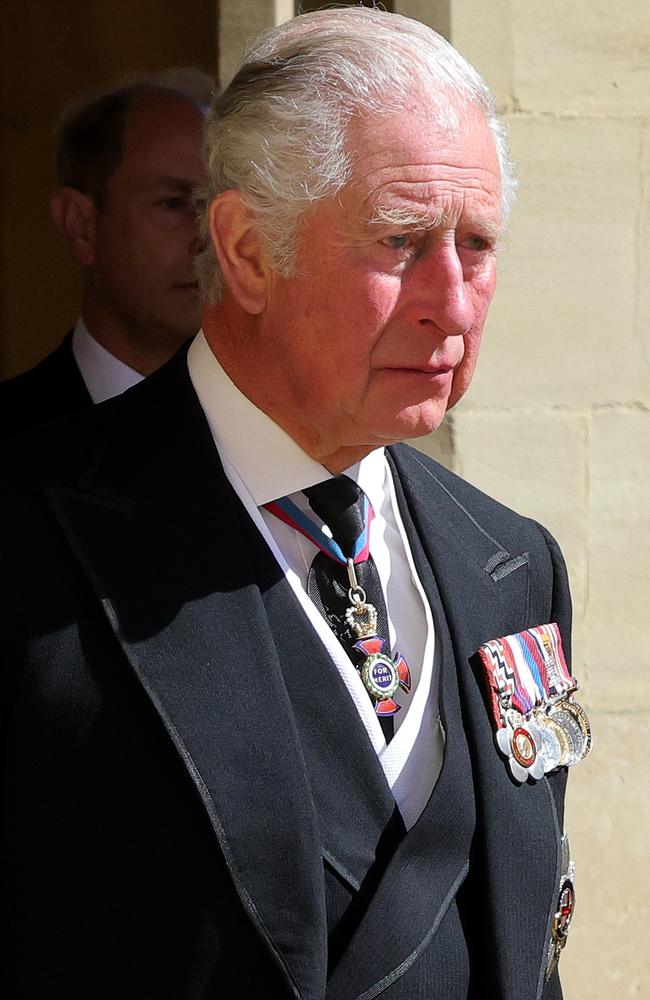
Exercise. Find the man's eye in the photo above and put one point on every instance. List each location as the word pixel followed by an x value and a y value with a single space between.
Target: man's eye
pixel 399 242
pixel 175 204
pixel 476 243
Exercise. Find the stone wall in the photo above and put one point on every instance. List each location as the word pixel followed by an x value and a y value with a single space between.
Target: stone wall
pixel 556 424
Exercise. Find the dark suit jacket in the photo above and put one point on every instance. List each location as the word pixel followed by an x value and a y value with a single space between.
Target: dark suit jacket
pixel 192 808
pixel 52 389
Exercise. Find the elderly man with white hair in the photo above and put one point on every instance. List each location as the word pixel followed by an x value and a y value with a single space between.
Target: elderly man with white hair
pixel 288 712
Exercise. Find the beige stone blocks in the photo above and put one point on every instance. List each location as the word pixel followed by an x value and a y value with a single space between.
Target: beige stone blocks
pixel 563 327
pixel 643 240
pixel 608 817
pixel 482 32
pixel 434 13
pixel 619 559
pixel 587 56
pixel 239 22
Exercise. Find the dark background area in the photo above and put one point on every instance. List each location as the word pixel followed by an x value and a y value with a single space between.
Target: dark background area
pixel 50 52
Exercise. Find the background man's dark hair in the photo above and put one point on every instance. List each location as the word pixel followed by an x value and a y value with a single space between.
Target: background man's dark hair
pixel 90 134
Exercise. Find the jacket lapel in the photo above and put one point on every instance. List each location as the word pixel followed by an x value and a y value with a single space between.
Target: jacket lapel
pixel 486 592
pixel 164 542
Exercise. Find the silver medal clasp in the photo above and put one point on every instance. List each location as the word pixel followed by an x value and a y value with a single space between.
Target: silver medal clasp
pixel 361 618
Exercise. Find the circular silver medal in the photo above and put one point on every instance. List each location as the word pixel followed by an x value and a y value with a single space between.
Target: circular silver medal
pixel 554 742
pixel 571 729
pixel 579 714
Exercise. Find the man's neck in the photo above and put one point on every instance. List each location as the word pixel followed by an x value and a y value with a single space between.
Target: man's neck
pixel 256 387
pixel 142 350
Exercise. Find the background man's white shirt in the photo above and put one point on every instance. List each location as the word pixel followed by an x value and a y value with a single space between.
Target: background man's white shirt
pixel 104 374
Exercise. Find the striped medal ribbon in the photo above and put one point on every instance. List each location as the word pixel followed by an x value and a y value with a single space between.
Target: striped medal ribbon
pixel 538 724
pixel 289 512
pixel 382 674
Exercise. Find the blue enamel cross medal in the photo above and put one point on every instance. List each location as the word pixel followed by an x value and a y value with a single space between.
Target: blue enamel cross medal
pixel 382 675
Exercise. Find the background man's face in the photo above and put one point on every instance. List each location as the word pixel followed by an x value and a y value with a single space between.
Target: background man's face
pixel 146 234
pixel 377 334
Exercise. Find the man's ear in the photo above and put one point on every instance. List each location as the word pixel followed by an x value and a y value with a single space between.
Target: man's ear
pixel 239 251
pixel 73 214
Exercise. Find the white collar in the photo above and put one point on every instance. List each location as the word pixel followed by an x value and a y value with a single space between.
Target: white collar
pixel 267 459
pixel 104 374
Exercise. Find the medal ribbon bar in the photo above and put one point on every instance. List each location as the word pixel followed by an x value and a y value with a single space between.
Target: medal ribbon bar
pixel 538 725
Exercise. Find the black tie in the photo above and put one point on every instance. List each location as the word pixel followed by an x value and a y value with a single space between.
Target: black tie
pixel 339 502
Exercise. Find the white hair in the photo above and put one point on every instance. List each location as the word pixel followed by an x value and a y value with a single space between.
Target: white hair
pixel 279 132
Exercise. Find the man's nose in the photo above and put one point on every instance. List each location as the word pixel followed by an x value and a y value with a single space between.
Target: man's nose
pixel 444 297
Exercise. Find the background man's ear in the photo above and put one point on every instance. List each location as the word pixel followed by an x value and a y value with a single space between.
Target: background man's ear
pixel 239 250
pixel 73 214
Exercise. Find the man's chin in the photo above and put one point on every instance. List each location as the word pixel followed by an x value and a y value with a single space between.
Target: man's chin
pixel 419 421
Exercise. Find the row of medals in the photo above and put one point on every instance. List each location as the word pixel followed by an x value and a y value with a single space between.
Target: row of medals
pixel 552 735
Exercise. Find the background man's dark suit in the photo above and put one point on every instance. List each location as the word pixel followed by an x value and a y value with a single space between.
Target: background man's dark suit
pixel 192 806
pixel 53 388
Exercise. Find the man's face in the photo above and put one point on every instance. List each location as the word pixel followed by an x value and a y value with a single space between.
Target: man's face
pixel 146 235
pixel 377 335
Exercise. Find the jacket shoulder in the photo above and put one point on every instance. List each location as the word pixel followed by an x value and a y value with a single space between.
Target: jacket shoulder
pixel 133 426
pixel 430 476
pixel 45 392
pixel 503 538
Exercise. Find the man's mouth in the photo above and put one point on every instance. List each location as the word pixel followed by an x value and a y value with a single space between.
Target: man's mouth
pixel 430 370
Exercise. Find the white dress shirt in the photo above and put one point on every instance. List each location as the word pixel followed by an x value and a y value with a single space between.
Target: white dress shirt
pixel 263 463
pixel 104 374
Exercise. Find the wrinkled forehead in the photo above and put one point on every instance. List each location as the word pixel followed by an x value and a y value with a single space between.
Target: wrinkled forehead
pixel 407 155
pixel 432 120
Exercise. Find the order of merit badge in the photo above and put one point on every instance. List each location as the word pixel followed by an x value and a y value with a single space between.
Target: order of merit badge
pixel 539 726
